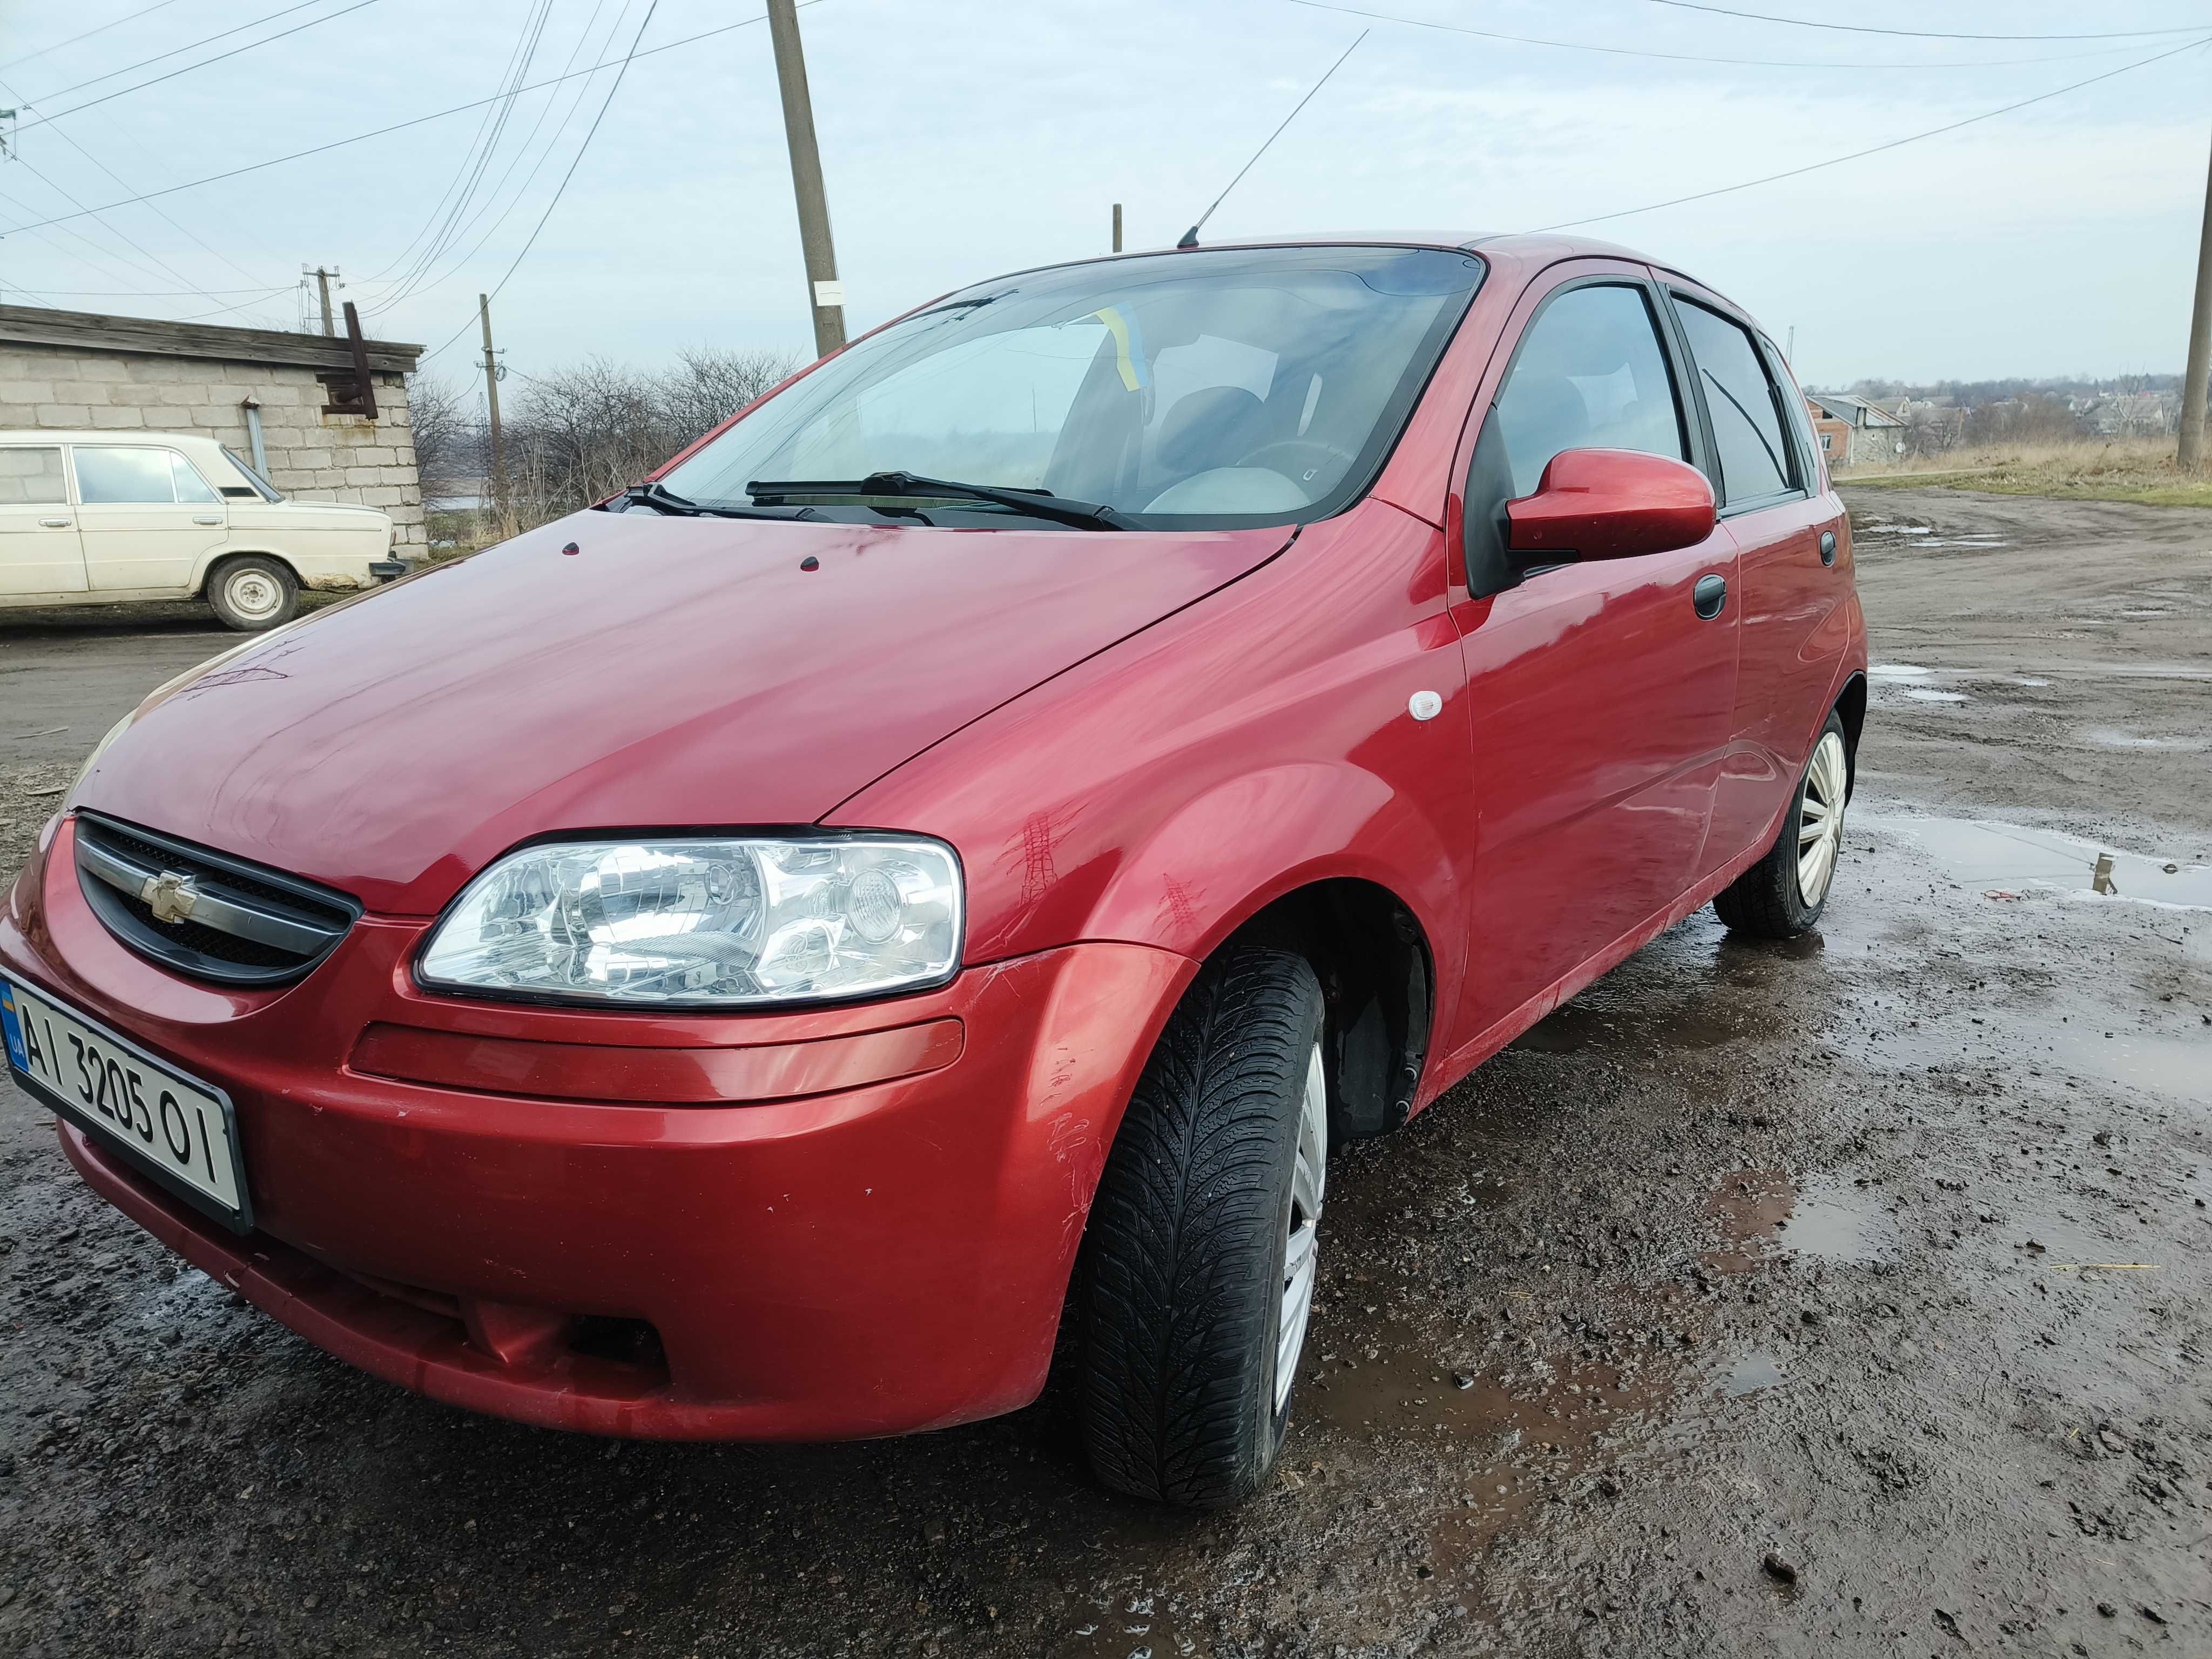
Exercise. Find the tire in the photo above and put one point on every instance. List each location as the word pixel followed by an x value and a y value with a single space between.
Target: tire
pixel 1784 894
pixel 1192 1282
pixel 253 593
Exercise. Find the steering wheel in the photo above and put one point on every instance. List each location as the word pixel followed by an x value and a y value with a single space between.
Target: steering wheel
pixel 1300 459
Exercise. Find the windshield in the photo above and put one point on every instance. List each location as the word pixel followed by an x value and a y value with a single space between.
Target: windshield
pixel 1213 389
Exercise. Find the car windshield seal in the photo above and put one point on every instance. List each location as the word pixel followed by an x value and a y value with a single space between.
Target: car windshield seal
pixel 1038 503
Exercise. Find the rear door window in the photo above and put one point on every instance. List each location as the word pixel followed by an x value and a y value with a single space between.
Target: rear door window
pixel 1589 374
pixel 32 477
pixel 1743 404
pixel 114 477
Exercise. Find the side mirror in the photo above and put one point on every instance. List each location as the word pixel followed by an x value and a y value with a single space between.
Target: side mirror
pixel 1609 504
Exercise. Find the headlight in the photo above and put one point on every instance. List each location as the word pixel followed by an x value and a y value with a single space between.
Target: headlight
pixel 720 923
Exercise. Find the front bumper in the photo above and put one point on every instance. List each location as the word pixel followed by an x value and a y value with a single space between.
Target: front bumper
pixel 847 1222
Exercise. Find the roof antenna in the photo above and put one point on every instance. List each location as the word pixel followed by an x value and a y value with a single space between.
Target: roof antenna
pixel 1190 236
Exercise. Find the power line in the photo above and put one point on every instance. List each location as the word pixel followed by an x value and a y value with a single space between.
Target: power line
pixel 604 104
pixel 176 51
pixel 156 80
pixel 1876 149
pixel 157 293
pixel 120 234
pixel 69 139
pixel 510 78
pixel 402 127
pixel 1919 35
pixel 1683 57
pixel 128 17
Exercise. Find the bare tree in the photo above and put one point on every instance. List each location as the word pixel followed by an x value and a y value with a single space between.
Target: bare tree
pixel 448 442
pixel 575 435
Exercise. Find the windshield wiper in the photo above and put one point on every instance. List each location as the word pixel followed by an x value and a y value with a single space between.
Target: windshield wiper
pixel 662 499
pixel 1037 503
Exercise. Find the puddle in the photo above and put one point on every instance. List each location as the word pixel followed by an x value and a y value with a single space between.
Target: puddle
pixel 2024 679
pixel 1834 1219
pixel 2106 736
pixel 2165 1065
pixel 1597 1020
pixel 1894 529
pixel 1989 854
pixel 1920 695
pixel 1750 1373
pixel 1899 671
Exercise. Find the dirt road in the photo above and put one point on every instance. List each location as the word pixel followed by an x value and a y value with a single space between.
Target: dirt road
pixel 1847 1296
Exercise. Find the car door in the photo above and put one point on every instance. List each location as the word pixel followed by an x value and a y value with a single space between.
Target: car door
pixel 1791 577
pixel 146 516
pixel 1601 695
pixel 40 552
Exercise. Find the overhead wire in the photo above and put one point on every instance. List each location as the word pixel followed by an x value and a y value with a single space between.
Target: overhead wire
pixel 489 132
pixel 128 17
pixel 1682 57
pixel 582 150
pixel 156 81
pixel 509 84
pixel 178 51
pixel 552 147
pixel 412 121
pixel 1922 35
pixel 1876 149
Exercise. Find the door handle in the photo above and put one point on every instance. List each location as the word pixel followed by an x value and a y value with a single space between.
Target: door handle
pixel 1709 595
pixel 207 517
pixel 54 523
pixel 1827 547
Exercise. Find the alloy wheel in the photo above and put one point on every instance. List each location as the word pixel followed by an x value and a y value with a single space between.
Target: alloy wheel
pixel 1820 819
pixel 1301 1224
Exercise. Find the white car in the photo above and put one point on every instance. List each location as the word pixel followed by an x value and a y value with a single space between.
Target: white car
pixel 89 518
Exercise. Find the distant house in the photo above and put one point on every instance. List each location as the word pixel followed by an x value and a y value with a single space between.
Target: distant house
pixel 1858 433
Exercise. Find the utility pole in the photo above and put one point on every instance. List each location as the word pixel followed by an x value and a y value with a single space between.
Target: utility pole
pixel 323 282
pixel 491 403
pixel 825 294
pixel 1117 227
pixel 2200 349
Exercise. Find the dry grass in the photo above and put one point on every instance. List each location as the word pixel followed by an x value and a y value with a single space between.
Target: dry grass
pixel 2121 469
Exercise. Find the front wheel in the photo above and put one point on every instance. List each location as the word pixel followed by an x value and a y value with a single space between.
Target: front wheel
pixel 1783 895
pixel 254 593
pixel 1200 1263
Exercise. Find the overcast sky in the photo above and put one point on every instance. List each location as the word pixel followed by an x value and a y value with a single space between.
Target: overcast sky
pixel 961 138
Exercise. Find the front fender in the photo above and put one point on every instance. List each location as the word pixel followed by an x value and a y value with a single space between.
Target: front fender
pixel 1227 855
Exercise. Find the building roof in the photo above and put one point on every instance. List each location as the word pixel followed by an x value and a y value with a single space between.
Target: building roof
pixel 1857 411
pixel 86 330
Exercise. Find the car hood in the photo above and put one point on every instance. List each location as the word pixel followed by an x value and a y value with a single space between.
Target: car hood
pixel 626 671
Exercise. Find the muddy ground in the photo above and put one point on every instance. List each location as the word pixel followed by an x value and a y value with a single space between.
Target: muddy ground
pixel 1844 1297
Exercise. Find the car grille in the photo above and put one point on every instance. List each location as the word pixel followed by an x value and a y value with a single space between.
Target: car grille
pixel 205 913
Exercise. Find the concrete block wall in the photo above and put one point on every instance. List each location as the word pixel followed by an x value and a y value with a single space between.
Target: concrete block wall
pixel 313 456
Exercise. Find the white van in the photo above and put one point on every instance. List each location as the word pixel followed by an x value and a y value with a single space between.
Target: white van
pixel 89 518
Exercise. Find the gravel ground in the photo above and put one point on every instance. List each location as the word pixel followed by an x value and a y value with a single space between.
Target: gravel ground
pixel 1849 1295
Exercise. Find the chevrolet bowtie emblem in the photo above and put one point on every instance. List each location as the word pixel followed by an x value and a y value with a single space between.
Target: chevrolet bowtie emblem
pixel 170 897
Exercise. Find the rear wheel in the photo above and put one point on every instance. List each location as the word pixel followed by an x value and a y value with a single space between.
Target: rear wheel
pixel 254 593
pixel 1784 894
pixel 1203 1244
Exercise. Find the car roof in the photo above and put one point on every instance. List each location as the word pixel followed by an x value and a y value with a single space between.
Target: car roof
pixel 24 434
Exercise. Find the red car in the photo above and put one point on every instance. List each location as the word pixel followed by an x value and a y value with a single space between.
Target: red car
pixel 953 851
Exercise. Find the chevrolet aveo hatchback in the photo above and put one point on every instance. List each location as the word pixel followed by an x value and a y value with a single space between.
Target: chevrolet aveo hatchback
pixel 949 856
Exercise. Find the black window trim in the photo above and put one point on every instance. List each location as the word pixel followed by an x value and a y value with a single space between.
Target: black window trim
pixel 1799 490
pixel 1696 438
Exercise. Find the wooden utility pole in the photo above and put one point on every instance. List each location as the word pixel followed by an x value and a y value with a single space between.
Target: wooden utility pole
pixel 491 404
pixel 2200 348
pixel 1117 227
pixel 825 293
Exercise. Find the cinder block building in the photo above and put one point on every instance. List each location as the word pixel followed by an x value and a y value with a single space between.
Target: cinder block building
pixel 290 403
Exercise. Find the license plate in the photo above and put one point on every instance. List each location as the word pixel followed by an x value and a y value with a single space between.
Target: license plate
pixel 180 1131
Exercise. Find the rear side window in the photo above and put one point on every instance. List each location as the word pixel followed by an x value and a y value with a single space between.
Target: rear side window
pixel 31 478
pixel 114 477
pixel 1589 374
pixel 1743 404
